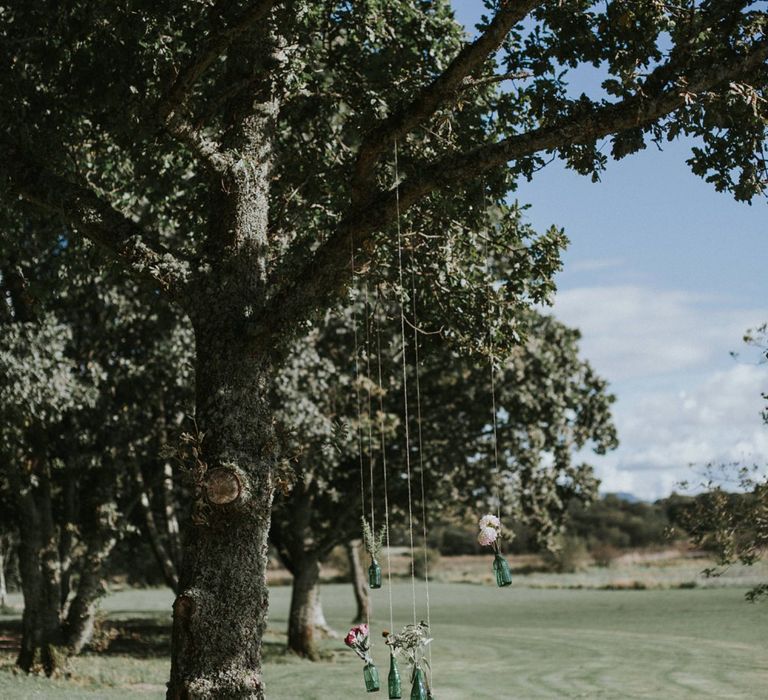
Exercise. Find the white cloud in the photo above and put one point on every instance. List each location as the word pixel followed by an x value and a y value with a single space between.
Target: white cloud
pixel 595 264
pixel 632 332
pixel 682 400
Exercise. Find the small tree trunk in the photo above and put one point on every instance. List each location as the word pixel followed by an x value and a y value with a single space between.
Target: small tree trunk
pixel 100 534
pixel 164 559
pixel 5 550
pixel 66 537
pixel 359 582
pixel 171 519
pixel 322 628
pixel 304 602
pixel 78 627
pixel 40 573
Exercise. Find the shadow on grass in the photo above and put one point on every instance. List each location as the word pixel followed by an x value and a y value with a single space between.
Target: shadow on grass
pixel 138 637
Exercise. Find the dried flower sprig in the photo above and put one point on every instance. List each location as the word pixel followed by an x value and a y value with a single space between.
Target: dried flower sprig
pixel 374 542
pixel 412 640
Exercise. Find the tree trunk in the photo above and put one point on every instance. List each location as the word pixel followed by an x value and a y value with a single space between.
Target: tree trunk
pixel 171 519
pixel 162 554
pixel 78 627
pixel 304 602
pixel 66 536
pixel 40 572
pixel 220 615
pixel 100 534
pixel 5 552
pixel 359 582
pixel 322 628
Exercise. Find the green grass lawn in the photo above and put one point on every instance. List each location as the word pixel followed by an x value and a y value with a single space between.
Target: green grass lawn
pixel 489 643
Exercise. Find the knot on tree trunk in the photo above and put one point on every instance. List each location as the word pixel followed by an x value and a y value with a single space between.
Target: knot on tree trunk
pixel 223 485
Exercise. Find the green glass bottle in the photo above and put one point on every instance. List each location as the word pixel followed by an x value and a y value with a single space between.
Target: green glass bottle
pixel 374 575
pixel 371 677
pixel 393 683
pixel 419 687
pixel 502 571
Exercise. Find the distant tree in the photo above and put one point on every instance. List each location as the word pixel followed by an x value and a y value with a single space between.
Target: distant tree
pixel 233 154
pixel 612 520
pixel 734 525
pixel 82 373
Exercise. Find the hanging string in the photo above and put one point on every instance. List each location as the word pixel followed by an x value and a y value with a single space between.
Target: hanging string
pixel 405 381
pixel 382 434
pixel 359 409
pixel 492 358
pixel 370 413
pixel 421 458
pixel 495 431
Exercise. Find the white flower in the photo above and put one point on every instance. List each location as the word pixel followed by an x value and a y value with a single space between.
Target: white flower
pixel 490 521
pixel 487 536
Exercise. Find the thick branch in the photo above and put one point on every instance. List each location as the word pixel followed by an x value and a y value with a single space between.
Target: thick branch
pixel 328 271
pixel 210 50
pixel 441 90
pixel 93 217
pixel 172 108
pixel 642 109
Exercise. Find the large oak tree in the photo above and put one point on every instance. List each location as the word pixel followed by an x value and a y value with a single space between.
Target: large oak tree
pixel 234 153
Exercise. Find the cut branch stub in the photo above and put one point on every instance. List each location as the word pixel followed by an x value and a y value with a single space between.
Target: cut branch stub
pixel 222 486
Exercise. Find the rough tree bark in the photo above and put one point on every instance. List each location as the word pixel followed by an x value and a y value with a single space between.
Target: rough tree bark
pixel 359 582
pixel 220 615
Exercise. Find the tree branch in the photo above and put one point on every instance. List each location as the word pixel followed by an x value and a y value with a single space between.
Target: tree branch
pixel 642 109
pixel 94 217
pixel 498 78
pixel 328 270
pixel 172 107
pixel 441 90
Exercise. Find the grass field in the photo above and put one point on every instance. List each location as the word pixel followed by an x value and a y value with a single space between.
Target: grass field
pixel 489 643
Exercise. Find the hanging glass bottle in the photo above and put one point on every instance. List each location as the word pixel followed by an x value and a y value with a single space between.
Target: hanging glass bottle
pixel 419 687
pixel 393 683
pixel 371 677
pixel 502 571
pixel 374 575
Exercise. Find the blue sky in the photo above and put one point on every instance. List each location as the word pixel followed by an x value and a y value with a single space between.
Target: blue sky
pixel 663 276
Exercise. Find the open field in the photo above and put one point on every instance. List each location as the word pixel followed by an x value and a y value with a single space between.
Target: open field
pixel 644 569
pixel 518 642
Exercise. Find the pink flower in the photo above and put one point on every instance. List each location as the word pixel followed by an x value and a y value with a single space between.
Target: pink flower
pixel 357 634
pixel 487 536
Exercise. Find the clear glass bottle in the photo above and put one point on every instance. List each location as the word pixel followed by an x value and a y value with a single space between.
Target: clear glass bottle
pixel 393 682
pixel 371 677
pixel 374 575
pixel 502 571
